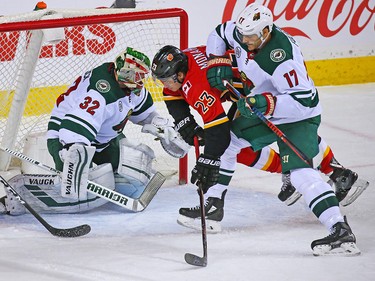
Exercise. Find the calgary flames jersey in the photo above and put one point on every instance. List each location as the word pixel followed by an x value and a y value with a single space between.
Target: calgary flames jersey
pixel 199 95
pixel 197 92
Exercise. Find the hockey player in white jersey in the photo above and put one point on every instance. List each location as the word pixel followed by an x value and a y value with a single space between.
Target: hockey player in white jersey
pixel 86 140
pixel 275 79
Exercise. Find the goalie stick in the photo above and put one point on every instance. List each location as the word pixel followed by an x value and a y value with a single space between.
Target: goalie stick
pixel 60 232
pixel 191 258
pixel 135 205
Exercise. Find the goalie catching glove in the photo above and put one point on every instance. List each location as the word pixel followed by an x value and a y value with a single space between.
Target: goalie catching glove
pixel 206 172
pixel 170 140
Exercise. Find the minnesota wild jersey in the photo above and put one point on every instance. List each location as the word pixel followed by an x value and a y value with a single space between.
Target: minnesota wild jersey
pixel 277 68
pixel 95 110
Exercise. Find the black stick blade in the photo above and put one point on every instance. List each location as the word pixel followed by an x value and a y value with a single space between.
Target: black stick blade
pixel 195 260
pixel 61 232
pixel 70 232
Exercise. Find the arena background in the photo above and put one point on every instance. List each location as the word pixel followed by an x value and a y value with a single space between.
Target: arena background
pixel 337 37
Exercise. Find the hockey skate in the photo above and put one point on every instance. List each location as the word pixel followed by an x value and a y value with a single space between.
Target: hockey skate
pixel 288 194
pixel 341 241
pixel 348 187
pixel 214 210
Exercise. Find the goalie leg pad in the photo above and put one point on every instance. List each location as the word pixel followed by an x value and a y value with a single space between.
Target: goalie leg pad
pixel 43 193
pixel 128 186
pixel 136 161
pixel 77 161
pixel 103 175
pixel 135 189
pixel 35 183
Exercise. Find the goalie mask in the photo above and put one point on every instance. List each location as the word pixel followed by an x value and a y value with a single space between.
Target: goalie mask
pixel 131 68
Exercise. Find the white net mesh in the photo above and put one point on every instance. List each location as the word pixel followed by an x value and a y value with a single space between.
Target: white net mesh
pixel 27 95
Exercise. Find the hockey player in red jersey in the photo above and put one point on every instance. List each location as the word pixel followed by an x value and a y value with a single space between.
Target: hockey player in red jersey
pixel 183 77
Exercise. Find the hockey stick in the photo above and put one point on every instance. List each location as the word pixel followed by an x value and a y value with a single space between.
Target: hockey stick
pixel 191 258
pixel 61 232
pixel 360 184
pixel 135 205
pixel 270 125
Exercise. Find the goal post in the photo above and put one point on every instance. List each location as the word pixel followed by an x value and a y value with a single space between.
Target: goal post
pixel 43 52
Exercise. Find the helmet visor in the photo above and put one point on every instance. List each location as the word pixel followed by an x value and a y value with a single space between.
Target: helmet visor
pixel 238 34
pixel 165 80
pixel 252 37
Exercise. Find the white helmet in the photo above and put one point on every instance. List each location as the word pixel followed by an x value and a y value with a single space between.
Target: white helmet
pixel 131 67
pixel 253 19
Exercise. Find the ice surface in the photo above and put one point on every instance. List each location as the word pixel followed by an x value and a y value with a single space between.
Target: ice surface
pixel 262 239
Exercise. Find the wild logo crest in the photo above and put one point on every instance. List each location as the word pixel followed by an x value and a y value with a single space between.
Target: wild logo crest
pixel 256 16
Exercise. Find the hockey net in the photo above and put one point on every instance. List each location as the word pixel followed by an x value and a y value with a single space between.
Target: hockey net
pixel 43 52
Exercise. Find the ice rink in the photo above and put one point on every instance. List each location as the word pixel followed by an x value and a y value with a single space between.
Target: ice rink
pixel 262 238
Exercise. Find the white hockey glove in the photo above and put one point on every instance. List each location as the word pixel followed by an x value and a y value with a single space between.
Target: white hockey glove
pixel 77 160
pixel 177 148
pixel 170 140
pixel 161 127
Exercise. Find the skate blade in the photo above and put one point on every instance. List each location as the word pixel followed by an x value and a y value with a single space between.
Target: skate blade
pixel 211 226
pixel 346 249
pixel 358 187
pixel 293 198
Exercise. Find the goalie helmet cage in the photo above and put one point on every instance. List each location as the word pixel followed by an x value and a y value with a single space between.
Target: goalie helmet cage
pixel 43 52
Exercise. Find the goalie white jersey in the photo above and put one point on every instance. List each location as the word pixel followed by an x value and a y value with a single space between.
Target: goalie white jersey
pixel 95 110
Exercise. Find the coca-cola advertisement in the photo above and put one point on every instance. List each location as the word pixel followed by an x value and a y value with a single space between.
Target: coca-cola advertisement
pixel 339 30
pixel 324 29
